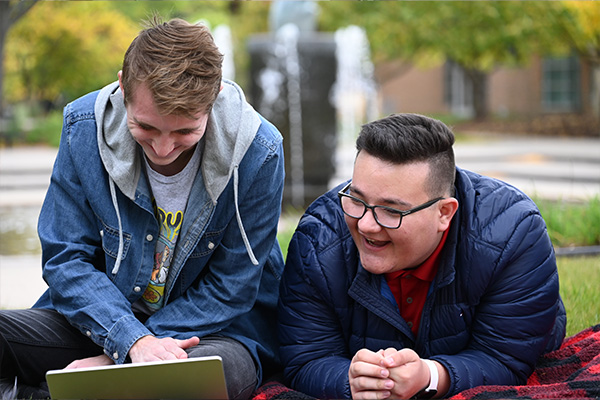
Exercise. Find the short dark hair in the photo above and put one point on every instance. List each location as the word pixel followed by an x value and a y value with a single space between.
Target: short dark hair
pixel 407 138
pixel 180 63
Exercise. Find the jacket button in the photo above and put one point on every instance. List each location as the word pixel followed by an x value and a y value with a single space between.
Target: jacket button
pixel 102 233
pixel 137 289
pixel 88 333
pixel 211 245
pixel 116 355
pixel 149 237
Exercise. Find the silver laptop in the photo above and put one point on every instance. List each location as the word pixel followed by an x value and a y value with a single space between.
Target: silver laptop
pixel 191 378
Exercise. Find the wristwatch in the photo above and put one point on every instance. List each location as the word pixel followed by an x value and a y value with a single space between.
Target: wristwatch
pixel 432 389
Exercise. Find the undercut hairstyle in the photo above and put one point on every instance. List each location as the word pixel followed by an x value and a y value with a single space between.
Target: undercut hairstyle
pixel 409 138
pixel 180 63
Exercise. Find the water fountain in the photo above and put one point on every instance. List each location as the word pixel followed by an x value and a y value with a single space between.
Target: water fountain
pixel 293 71
pixel 223 40
pixel 355 91
pixel 316 87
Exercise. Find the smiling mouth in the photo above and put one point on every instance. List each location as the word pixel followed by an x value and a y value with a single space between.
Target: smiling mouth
pixel 374 243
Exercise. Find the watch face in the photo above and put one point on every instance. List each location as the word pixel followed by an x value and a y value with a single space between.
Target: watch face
pixel 427 394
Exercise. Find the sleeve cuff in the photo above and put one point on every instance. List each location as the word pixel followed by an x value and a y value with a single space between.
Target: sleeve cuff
pixel 122 336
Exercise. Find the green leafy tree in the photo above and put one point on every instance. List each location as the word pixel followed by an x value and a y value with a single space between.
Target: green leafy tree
pixel 477 35
pixel 10 12
pixel 578 24
pixel 136 11
pixel 64 49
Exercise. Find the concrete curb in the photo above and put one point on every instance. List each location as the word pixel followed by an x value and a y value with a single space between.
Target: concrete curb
pixel 577 251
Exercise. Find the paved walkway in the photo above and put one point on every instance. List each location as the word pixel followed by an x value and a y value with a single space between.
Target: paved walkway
pixel 25 175
pixel 24 178
pixel 554 168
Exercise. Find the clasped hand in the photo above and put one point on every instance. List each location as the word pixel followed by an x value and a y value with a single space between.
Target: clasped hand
pixel 387 374
pixel 148 348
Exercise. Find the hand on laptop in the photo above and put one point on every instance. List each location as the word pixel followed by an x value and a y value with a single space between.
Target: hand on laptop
pixel 91 362
pixel 148 348
pixel 151 348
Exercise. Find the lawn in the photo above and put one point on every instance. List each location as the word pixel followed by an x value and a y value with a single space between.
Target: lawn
pixel 579 280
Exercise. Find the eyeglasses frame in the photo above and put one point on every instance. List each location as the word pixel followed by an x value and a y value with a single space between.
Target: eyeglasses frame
pixel 372 208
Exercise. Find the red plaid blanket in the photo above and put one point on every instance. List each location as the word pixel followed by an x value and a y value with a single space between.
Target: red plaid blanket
pixel 573 371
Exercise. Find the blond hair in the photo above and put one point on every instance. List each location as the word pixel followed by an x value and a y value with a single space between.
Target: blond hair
pixel 179 62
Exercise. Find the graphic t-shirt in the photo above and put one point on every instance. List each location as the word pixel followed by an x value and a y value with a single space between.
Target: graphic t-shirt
pixel 170 198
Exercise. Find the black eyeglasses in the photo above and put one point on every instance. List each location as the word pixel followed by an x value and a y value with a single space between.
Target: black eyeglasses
pixel 387 217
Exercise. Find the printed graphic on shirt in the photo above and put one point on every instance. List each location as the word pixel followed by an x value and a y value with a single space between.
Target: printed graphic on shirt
pixel 170 224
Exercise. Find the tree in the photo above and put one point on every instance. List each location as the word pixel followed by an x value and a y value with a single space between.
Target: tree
pixel 578 22
pixel 78 49
pixel 81 46
pixel 10 13
pixel 479 36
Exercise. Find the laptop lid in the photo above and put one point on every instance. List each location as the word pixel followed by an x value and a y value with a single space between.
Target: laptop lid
pixel 191 378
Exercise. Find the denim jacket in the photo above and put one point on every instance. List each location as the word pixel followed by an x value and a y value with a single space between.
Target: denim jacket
pixel 98 230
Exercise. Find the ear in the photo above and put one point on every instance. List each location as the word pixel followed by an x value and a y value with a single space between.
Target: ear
pixel 120 75
pixel 447 209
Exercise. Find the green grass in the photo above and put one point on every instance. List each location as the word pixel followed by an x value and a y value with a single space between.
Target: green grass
pixel 579 279
pixel 572 224
pixel 287 226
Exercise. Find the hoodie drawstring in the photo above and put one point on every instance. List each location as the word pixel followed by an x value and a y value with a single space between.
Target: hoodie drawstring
pixel 113 195
pixel 239 217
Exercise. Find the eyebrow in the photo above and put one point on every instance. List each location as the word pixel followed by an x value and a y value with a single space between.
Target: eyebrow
pixel 142 124
pixel 395 202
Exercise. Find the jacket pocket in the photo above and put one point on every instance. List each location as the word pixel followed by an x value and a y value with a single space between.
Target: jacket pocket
pixel 207 244
pixel 110 241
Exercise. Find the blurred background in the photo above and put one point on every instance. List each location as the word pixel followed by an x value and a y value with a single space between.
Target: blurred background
pixel 518 81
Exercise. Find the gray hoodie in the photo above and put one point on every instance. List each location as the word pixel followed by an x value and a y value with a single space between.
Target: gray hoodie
pixel 231 128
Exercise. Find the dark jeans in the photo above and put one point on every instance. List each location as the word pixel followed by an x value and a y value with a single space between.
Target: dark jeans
pixel 34 341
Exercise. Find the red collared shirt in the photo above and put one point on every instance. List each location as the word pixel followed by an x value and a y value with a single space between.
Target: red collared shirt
pixel 410 286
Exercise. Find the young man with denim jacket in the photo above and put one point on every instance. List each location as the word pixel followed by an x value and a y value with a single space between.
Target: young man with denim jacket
pixel 159 226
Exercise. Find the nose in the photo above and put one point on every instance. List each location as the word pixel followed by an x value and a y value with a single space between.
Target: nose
pixel 368 223
pixel 163 144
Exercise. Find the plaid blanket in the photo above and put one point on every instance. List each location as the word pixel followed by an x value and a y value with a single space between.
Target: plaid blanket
pixel 572 371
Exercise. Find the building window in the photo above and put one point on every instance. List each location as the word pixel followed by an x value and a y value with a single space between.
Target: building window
pixel 458 90
pixel 561 84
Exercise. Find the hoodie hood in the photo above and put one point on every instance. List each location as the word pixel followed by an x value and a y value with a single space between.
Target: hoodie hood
pixel 230 130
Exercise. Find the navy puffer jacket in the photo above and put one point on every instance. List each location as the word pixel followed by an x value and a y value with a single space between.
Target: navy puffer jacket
pixel 492 310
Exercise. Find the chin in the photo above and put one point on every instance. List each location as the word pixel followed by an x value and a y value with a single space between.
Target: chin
pixel 164 162
pixel 376 267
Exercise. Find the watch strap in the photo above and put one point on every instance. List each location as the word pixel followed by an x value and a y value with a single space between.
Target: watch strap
pixel 432 388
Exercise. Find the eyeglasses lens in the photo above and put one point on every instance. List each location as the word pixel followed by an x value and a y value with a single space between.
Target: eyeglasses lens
pixel 357 209
pixel 353 207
